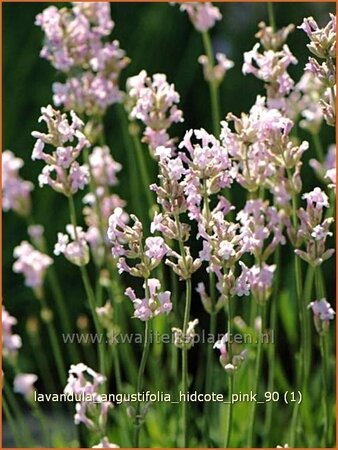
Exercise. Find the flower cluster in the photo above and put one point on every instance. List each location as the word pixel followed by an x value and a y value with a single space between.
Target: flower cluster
pixel 323 47
pixel 259 222
pixel 154 303
pixel 314 228
pixel 103 167
pixel 128 243
pixel 185 340
pixel 76 251
pixel 75 45
pixel 15 190
pixel 85 383
pixel 265 151
pixel 230 365
pixel 69 175
pixel 24 384
pixel 10 342
pixel 202 15
pixel 31 263
pixel 215 73
pixel 322 314
pixel 209 168
pixel 310 91
pixel 153 101
pixel 326 171
pixel 271 65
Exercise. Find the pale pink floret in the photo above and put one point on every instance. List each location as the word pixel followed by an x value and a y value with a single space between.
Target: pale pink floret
pixel 31 263
pixel 24 383
pixel 202 15
pixel 10 342
pixel 322 309
pixel 15 190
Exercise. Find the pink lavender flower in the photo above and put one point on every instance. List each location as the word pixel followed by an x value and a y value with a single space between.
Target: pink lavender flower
pixel 322 40
pixel 264 150
pixel 186 340
pixel 323 46
pixel 76 251
pixel 202 15
pixel 314 229
pixel 229 365
pixel 10 342
pixel 15 190
pixel 322 309
pixel 153 101
pixel 103 166
pixel 24 384
pixel 261 281
pixel 69 176
pixel 84 383
pixel 221 345
pixel 209 168
pixel 323 313
pixel 155 248
pixel 308 105
pixel 104 443
pixel 154 303
pixel 261 227
pixel 73 37
pixel 31 263
pixel 271 67
pixel 217 72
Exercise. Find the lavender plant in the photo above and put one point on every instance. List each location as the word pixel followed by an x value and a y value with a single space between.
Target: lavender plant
pixel 224 252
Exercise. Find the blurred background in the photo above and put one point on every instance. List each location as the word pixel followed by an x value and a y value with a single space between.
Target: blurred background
pixel 158 38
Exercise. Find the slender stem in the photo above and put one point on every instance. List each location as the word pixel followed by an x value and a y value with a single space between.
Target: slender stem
pixel 185 362
pixel 89 292
pixel 146 345
pixel 252 420
pixel 318 147
pixel 209 376
pixel 55 343
pixel 302 363
pixel 230 380
pixel 307 342
pixel 271 349
pixel 271 14
pixel 12 425
pixel 144 171
pixel 324 355
pixel 213 86
pixel 58 295
pixel 26 433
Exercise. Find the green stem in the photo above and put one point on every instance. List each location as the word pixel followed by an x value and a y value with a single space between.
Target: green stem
pixel 144 171
pixel 230 380
pixel 252 420
pixel 12 425
pixel 271 14
pixel 185 362
pixel 213 86
pixel 271 349
pixel 146 345
pixel 26 433
pixel 325 373
pixel 318 147
pixel 58 296
pixel 55 343
pixel 307 342
pixel 89 292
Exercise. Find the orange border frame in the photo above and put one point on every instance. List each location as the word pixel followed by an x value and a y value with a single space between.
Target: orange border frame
pixel 1 113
